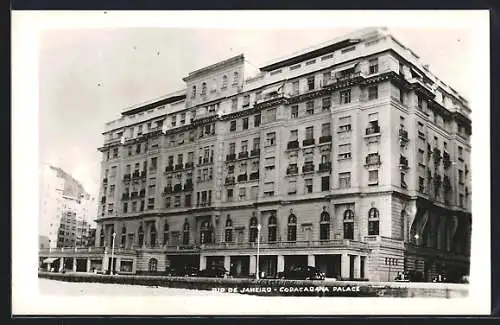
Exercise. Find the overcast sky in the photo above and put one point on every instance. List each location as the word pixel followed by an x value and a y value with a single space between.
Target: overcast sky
pixel 87 77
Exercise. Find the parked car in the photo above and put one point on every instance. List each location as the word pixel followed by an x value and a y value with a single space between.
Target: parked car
pixel 441 277
pixel 185 271
pixel 302 272
pixel 402 277
pixel 214 272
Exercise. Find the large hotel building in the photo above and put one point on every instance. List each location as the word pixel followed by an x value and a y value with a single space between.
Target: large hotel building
pixel 350 156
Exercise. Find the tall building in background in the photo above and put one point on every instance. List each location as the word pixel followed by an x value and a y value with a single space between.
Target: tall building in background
pixel 351 156
pixel 67 211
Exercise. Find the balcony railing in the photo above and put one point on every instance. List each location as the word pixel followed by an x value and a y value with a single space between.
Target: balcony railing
pixel 167 190
pixel 177 188
pixel 325 139
pixel 242 178
pixel 325 167
pixel 126 177
pixel 134 195
pixel 169 168
pixel 372 159
pixel 243 155
pixel 255 153
pixel 308 168
pixel 142 193
pixel 341 78
pixel 178 166
pixel 403 135
pixel 308 142
pixel 230 180
pixel 293 145
pixel 254 176
pixel 105 180
pixel 287 244
pixel 373 130
pixel 231 157
pixel 125 196
pixel 189 165
pixel 403 162
pixel 292 170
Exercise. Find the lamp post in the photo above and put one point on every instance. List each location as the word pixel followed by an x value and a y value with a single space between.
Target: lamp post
pixel 112 254
pixel 258 251
pixel 416 239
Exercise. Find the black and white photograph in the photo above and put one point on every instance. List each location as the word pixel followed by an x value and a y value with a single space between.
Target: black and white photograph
pixel 278 162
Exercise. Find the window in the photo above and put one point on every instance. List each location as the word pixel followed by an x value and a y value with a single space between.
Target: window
pixel 308 185
pixel 326 77
pixel 373 65
pixel 272 228
pixel 244 146
pixel 203 88
pixel 232 148
pixel 292 186
pixel 187 200
pixel 269 189
pixel 345 96
pixel 205 232
pixel 345 151
pixel 420 102
pixel 193 92
pixel 345 180
pixel 228 232
pixel 295 87
pixel 243 193
pixel 125 207
pixel 232 126
pixel 309 132
pixel 258 95
pixel 325 183
pixel 165 234
pixel 327 57
pixel 326 103
pixel 349 224
pixel 140 236
pixel 460 153
pixel 294 135
pixel 372 92
pixel 325 129
pixel 185 233
pixel 292 228
pixel 152 236
pixel 344 124
pixel 112 190
pixel 269 115
pixel 324 225
pixel 270 139
pixel 234 104
pixel 310 108
pixel 373 177
pixel 420 157
pixel 230 194
pixel 294 111
pixel 460 177
pixel 253 231
pixel 310 83
pixel 183 118
pixel 246 100
pixel 224 82
pixel 275 72
pixel 373 222
pixel 311 62
pixel 236 78
pixel 403 181
pixel 254 192
pixel 461 200
pixel 245 123
pixel 295 67
pixel 256 120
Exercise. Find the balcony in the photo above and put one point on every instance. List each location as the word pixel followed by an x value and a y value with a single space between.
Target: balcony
pixel 292 170
pixel 403 137
pixel 308 142
pixel 134 195
pixel 105 180
pixel 446 184
pixel 292 145
pixel 188 186
pixel 325 139
pixel 142 193
pixel 189 165
pixel 143 174
pixel 168 189
pixel 243 155
pixel 126 177
pixel 179 166
pixel 254 176
pixel 372 159
pixel 231 157
pixel 325 167
pixel 136 174
pixel 169 168
pixel 242 178
pixel 177 188
pixel 125 196
pixel 437 156
pixel 103 200
pixel 308 168
pixel 255 153
pixel 403 162
pixel 446 160
pixel 338 243
pixel 229 181
pixel 342 79
pixel 372 130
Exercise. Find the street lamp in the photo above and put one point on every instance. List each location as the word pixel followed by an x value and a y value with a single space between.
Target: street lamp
pixel 112 254
pixel 258 251
pixel 416 239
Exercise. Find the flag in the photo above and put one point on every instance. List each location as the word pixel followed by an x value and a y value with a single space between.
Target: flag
pixel 164 128
pixel 122 139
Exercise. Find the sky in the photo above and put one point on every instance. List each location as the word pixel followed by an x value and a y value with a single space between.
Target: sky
pixel 87 77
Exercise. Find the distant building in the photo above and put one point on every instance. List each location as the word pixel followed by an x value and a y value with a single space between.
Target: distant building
pixel 43 242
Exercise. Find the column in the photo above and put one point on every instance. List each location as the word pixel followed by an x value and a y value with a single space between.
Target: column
pixel 61 264
pixel 357 266
pixel 281 263
pixel 88 264
pixel 311 260
pixel 74 264
pixel 252 269
pixel 203 262
pixel 344 266
pixel 227 262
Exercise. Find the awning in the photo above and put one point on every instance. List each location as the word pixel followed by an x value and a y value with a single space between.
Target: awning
pixel 347 67
pixel 50 260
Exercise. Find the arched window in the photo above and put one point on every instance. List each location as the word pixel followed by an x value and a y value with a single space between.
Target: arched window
pixel 140 235
pixel 124 236
pixel 153 265
pixel 165 233
pixel 272 228
pixel 224 82
pixel 185 233
pixel 204 88
pixel 292 228
pixel 348 224
pixel 193 93
pixel 236 78
pixel 228 234
pixel 152 235
pixel 205 232
pixel 373 222
pixel 253 229
pixel 324 225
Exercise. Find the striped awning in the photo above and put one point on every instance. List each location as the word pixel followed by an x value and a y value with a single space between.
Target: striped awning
pixel 50 260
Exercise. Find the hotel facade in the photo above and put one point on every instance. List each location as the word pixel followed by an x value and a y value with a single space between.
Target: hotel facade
pixel 350 156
